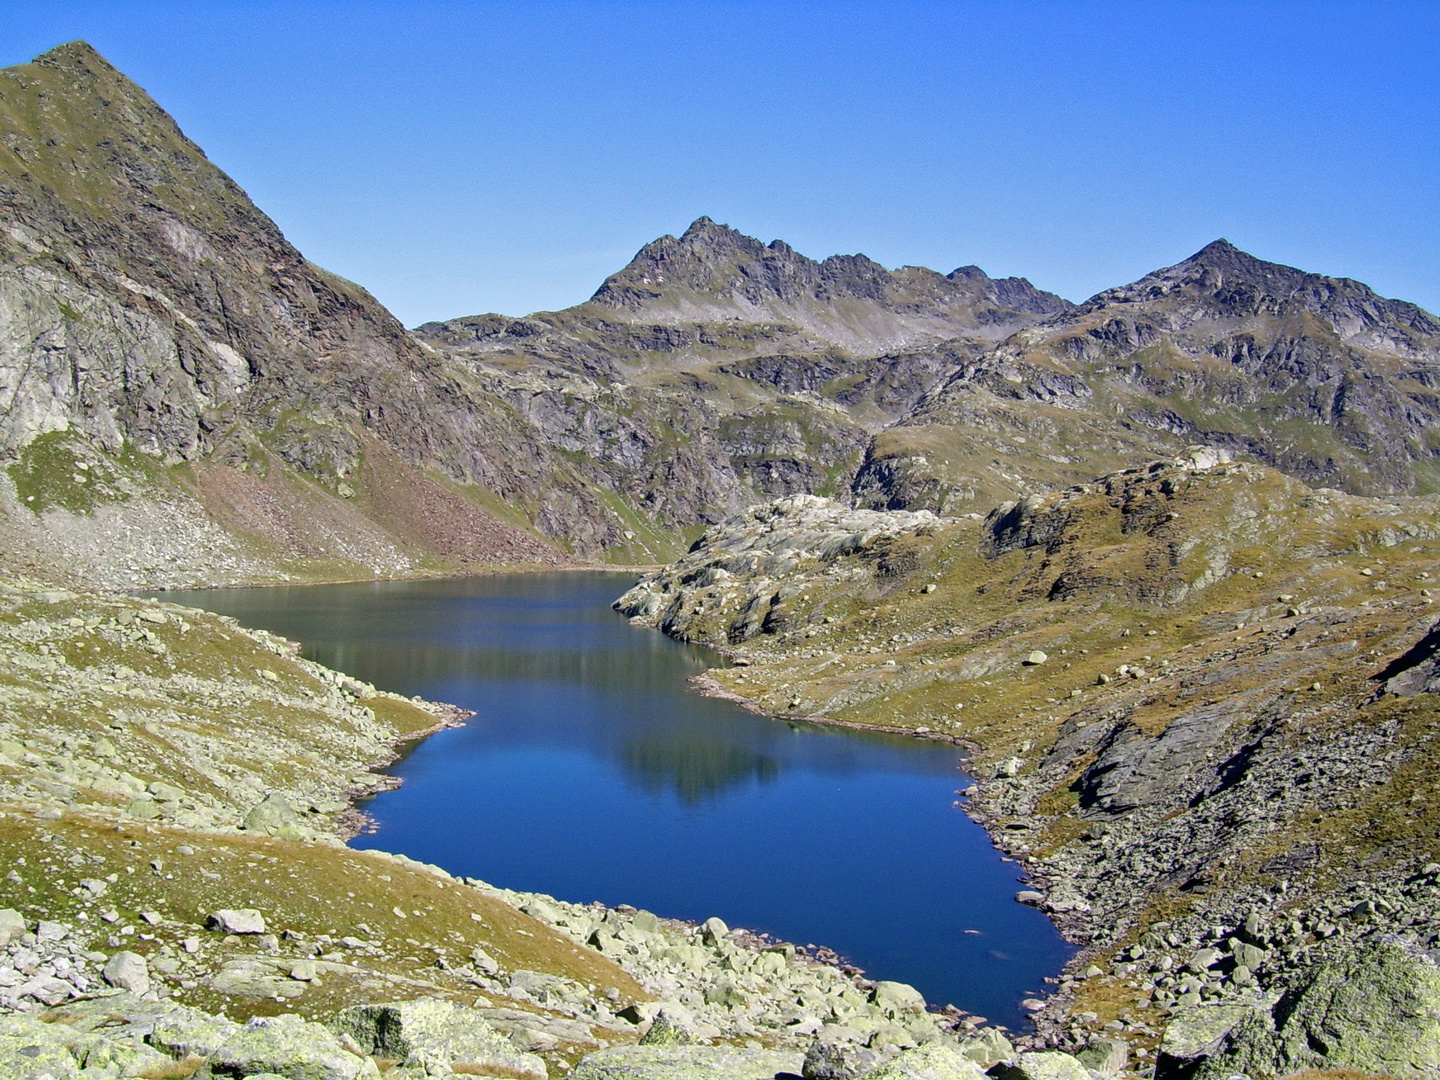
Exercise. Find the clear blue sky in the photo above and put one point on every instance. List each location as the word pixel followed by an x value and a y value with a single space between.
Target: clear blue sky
pixel 464 157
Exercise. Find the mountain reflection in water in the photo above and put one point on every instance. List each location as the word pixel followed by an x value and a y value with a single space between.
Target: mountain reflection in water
pixel 592 771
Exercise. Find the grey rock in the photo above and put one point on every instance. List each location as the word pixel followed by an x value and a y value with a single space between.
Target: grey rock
pixel 988 1047
pixel 436 1030
pixel 31 1050
pixel 272 815
pixel 254 978
pixel 934 1061
pixel 1104 1055
pixel 189 1032
pixel 128 971
pixel 236 921
pixel 12 925
pixel 895 999
pixel 671 1027
pixel 1374 1008
pixel 288 1046
pixel 685 1063
pixel 1041 1065
pixel 838 1059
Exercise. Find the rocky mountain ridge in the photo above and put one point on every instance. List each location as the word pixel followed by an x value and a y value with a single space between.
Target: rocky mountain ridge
pixel 155 324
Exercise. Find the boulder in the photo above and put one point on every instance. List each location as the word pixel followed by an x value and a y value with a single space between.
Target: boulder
pixel 685 1063
pixel 1104 1055
pixel 434 1031
pixel 988 1047
pixel 672 1026
pixel 128 971
pixel 894 999
pixel 236 921
pixel 254 978
pixel 12 925
pixel 190 1033
pixel 273 816
pixel 288 1046
pixel 1041 1065
pixel 933 1061
pixel 838 1059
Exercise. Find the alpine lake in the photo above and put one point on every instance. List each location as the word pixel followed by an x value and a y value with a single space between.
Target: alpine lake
pixel 591 770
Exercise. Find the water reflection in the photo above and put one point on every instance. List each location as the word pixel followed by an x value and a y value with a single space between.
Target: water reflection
pixel 591 771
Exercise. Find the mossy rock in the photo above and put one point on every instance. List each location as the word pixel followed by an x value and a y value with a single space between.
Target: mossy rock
pixel 1374 1008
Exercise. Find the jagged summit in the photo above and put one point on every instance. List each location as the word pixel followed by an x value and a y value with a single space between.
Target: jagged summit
pixel 1222 280
pixel 712 271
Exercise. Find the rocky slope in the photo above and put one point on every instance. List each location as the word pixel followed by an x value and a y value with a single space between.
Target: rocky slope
pixel 1199 700
pixel 165 353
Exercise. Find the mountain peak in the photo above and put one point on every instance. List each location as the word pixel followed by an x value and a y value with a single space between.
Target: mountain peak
pixel 74 55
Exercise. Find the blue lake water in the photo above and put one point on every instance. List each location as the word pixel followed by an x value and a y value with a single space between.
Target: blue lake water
pixel 592 772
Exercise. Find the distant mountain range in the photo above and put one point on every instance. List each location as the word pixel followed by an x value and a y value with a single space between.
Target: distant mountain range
pixel 157 329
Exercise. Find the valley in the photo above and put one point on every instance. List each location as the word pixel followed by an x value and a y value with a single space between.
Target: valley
pixel 1159 563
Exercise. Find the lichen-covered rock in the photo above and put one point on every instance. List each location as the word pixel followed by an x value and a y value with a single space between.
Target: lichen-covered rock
pixel 1104 1055
pixel 1041 1065
pixel 290 1046
pixel 99 1056
pixel 987 1048
pixel 685 1063
pixel 189 1032
pixel 30 1050
pixel 1374 1007
pixel 1197 1032
pixel 934 1061
pixel 838 1059
pixel 273 816
pixel 436 1031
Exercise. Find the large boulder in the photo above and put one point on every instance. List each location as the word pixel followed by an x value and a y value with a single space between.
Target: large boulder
pixel 288 1046
pixel 128 971
pixel 273 815
pixel 933 1061
pixel 1041 1065
pixel 434 1031
pixel 685 1063
pixel 1372 1007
